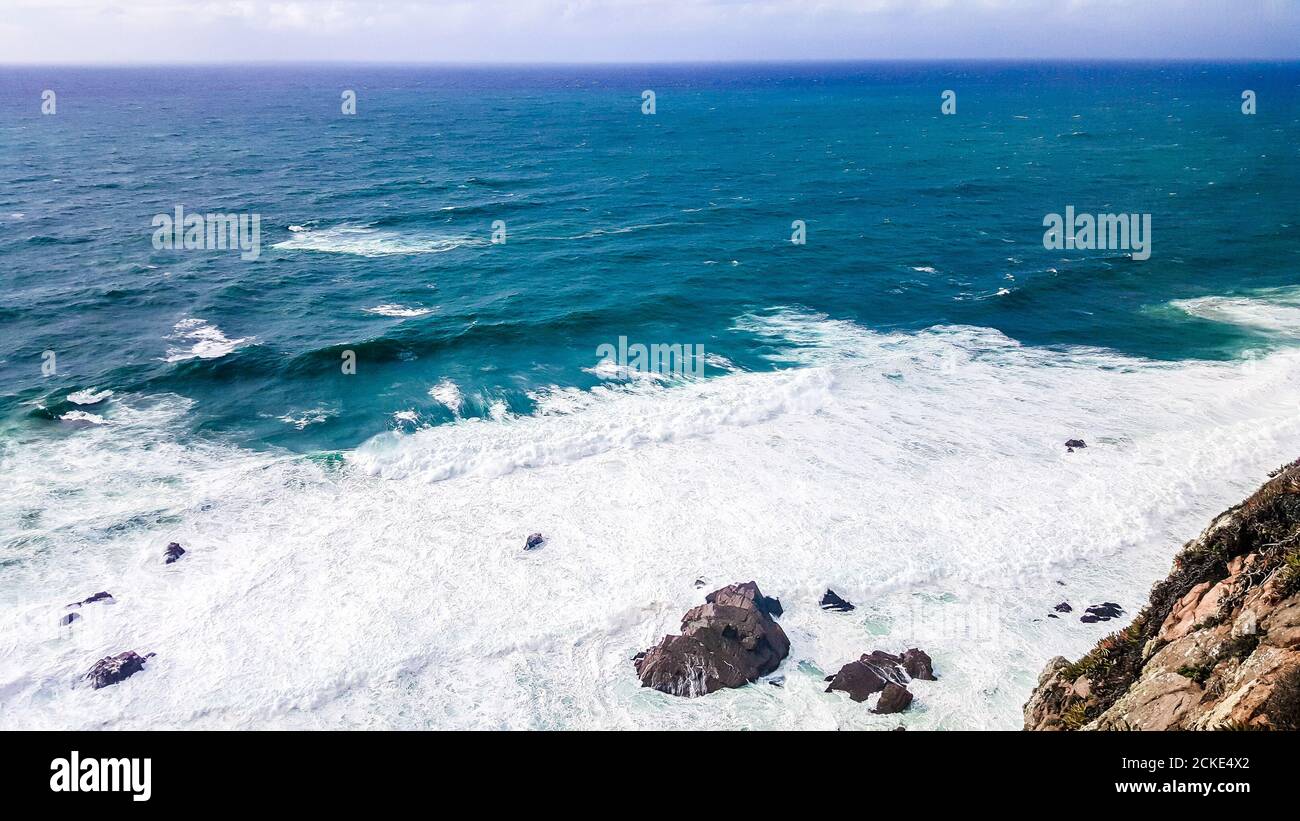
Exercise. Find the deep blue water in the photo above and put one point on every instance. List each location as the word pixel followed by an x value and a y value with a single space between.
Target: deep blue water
pixel 662 228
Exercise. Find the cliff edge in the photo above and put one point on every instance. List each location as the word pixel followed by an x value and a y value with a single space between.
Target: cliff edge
pixel 1217 646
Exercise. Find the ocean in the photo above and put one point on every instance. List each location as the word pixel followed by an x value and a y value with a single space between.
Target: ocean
pixel 353 433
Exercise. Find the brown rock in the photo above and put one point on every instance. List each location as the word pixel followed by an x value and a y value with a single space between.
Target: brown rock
pixel 1051 698
pixel 894 699
pixel 918 665
pixel 1200 603
pixel 112 669
pixel 728 641
pixel 869 674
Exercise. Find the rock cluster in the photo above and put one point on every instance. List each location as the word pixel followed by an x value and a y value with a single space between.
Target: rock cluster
pixel 1101 612
pixel 733 639
pixel 884 673
pixel 1218 645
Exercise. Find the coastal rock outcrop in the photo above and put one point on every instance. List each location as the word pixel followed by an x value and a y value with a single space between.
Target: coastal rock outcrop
pixel 729 641
pixel 112 669
pixel 1217 646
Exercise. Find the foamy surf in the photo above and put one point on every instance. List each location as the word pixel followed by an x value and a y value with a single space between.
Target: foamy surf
pixel 89 396
pixel 200 339
pixel 398 311
pixel 448 394
pixel 1273 311
pixel 371 242
pixel 923 476
pixel 83 417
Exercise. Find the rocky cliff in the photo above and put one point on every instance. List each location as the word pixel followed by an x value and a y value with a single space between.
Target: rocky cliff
pixel 1218 645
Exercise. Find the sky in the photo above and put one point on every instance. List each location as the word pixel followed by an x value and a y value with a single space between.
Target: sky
pixel 581 31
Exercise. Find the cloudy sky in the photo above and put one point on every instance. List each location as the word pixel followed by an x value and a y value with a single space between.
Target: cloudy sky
pixel 164 31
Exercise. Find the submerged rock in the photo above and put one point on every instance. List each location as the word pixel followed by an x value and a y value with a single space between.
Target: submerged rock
pixel 894 699
pixel 534 541
pixel 69 618
pixel 728 641
pixel 172 553
pixel 832 601
pixel 112 669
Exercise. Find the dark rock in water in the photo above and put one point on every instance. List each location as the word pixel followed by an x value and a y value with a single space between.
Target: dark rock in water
pixel 895 699
pixel 728 641
pixel 899 729
pixel 1071 444
pixel 1102 612
pixel 918 664
pixel 172 553
pixel 112 669
pixel 535 541
pixel 777 681
pixel 869 674
pixel 1063 607
pixel 1051 616
pixel 102 596
pixel 700 583
pixel 69 619
pixel 831 601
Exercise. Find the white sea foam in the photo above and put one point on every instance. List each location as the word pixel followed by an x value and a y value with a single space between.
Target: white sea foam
pixel 923 476
pixel 83 417
pixel 401 311
pixel 1274 310
pixel 306 418
pixel 200 339
pixel 372 242
pixel 89 396
pixel 609 369
pixel 448 394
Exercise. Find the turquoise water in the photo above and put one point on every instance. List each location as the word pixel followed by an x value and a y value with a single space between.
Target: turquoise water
pixel 661 228
pixel 881 410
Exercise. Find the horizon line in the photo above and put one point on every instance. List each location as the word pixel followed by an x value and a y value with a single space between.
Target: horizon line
pixel 664 63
